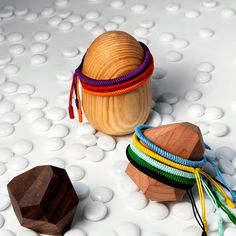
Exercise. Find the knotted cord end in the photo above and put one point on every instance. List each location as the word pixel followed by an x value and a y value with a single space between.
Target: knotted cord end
pixel 204 233
pixel 71 112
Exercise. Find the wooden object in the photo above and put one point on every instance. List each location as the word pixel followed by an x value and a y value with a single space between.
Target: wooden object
pixel 182 139
pixel 111 55
pixel 44 200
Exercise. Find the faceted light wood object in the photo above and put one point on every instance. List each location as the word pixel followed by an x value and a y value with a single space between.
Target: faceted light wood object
pixel 111 55
pixel 44 200
pixel 182 139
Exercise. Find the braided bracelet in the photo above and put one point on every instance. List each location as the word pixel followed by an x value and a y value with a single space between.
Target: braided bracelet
pixel 155 176
pixel 143 66
pixel 176 178
pixel 161 166
pixel 162 152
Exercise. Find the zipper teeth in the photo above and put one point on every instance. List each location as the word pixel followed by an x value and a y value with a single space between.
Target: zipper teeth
pixel 169 176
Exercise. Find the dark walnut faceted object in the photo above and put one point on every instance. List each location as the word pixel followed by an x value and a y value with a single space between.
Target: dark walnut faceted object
pixel 44 200
pixel 181 139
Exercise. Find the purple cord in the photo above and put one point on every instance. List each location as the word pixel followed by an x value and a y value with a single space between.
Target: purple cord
pixel 123 78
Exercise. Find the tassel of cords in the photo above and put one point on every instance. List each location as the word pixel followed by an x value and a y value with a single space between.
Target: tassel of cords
pixel 111 87
pixel 180 173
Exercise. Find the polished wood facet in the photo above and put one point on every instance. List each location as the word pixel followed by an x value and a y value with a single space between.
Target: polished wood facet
pixel 44 200
pixel 111 55
pixel 182 139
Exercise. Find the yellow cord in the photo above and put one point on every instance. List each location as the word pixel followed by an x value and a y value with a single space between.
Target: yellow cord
pixel 168 162
pixel 220 190
pixel 201 197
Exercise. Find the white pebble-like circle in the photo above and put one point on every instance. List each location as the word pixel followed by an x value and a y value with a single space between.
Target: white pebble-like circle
pixel 166 37
pixel 138 8
pixel 173 56
pixel 203 126
pixel 137 200
pixel 41 124
pixel 209 3
pixel 15 37
pixel 2 221
pixel 6 106
pixel 81 189
pixel 37 102
pixel 218 129
pixel 101 194
pixel 128 229
pixel 172 7
pixel 38 47
pixel 18 163
pixel 227 12
pixel 64 75
pixel 9 87
pixel 206 33
pixel 95 211
pixel 106 143
pixel 75 172
pixel 76 151
pixel 65 26
pixel 3 169
pixel 94 153
pixel 22 98
pixel 56 113
pixel 4 202
pixel 192 95
pixel 214 113
pixel 26 88
pixel 42 36
pixel 119 167
pixel 75 232
pixel 22 147
pixel 87 139
pixel 205 67
pixel 203 77
pixel 182 210
pixel 70 52
pixel 225 153
pixel 54 21
pixel 6 129
pixel 5 154
pixel 59 130
pixel 38 59
pixel 196 110
pixel 117 3
pixel 163 108
pixel 58 162
pixel 16 49
pixel 192 14
pixel 54 144
pixel 157 211
pixel 7 232
pixel 226 166
pixel 180 43
pixel 34 114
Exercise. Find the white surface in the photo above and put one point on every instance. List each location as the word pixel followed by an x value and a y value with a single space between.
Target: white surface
pixel 200 41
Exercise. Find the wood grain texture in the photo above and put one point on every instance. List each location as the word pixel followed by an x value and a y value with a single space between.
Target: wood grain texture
pixel 182 139
pixel 111 55
pixel 44 200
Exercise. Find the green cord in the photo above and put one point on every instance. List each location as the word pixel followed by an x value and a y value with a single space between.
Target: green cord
pixel 160 165
pixel 175 178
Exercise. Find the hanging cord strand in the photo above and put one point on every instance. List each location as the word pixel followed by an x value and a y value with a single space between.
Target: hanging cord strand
pixel 222 179
pixel 195 210
pixel 202 200
pixel 70 107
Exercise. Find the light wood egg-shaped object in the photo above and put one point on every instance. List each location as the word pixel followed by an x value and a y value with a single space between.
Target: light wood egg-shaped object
pixel 111 55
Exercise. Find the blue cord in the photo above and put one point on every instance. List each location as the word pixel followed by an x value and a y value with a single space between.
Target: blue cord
pixel 222 179
pixel 160 151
